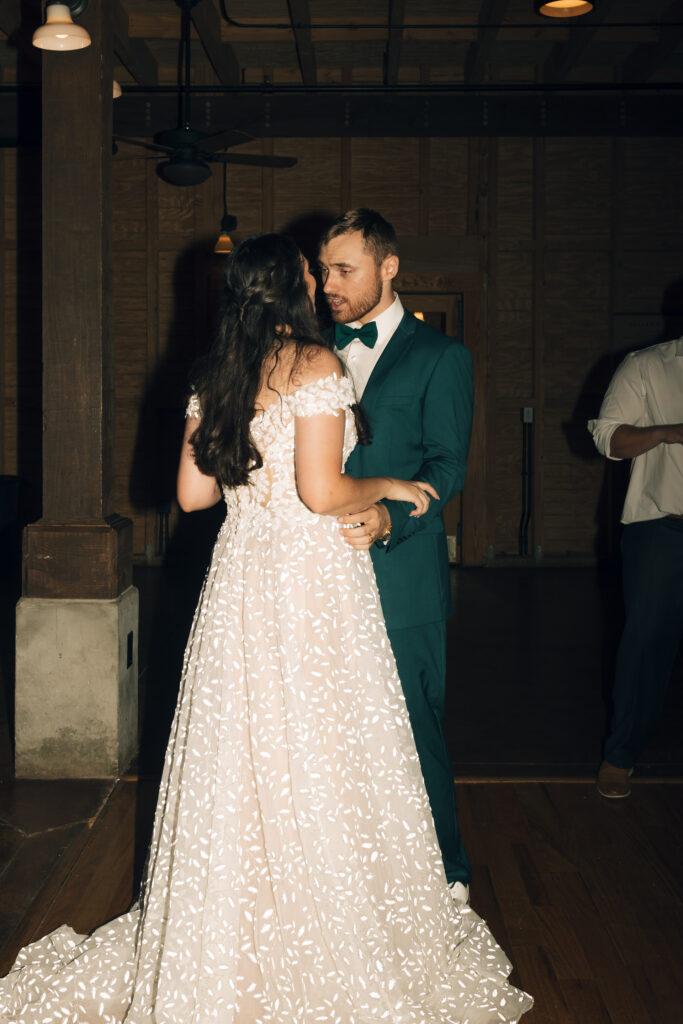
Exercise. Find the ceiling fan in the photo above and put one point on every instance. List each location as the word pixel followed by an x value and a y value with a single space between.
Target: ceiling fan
pixel 188 151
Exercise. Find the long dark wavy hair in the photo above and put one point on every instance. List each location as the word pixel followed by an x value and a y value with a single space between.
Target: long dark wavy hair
pixel 265 304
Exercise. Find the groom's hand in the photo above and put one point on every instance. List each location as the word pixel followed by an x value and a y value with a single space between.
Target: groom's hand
pixel 361 529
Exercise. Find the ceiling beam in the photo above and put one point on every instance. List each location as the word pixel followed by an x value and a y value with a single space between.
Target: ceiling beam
pixel 491 16
pixel 393 53
pixel 300 17
pixel 308 112
pixel 646 58
pixel 207 23
pixel 564 56
pixel 134 54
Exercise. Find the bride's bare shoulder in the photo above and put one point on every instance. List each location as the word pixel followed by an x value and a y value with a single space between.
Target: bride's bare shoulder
pixel 289 368
pixel 316 361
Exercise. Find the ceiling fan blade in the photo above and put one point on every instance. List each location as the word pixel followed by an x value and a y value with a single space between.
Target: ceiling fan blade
pixel 144 145
pixel 225 139
pixel 251 160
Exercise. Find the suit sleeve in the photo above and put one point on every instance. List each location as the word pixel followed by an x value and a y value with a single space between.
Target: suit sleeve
pixel 446 431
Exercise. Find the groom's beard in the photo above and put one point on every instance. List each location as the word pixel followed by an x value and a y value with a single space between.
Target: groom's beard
pixel 352 308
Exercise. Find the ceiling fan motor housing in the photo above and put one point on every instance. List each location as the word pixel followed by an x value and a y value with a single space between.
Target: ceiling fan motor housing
pixel 184 168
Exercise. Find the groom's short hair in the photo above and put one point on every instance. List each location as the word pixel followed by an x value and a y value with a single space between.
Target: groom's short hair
pixel 378 234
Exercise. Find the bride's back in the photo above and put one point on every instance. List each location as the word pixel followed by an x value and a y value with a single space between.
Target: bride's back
pixel 309 385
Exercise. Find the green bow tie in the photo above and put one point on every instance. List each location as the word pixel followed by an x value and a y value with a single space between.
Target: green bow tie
pixel 343 334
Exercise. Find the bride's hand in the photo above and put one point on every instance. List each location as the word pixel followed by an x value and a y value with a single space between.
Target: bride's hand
pixel 417 492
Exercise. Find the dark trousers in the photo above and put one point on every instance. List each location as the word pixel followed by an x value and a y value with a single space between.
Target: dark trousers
pixel 652 555
pixel 420 653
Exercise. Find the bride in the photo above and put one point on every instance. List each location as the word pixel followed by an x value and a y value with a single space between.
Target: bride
pixel 294 873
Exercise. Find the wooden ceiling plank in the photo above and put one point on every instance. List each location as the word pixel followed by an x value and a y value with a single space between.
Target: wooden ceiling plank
pixel 564 56
pixel 151 26
pixel 134 54
pixel 393 55
pixel 300 16
pixel 646 58
pixel 492 13
pixel 207 23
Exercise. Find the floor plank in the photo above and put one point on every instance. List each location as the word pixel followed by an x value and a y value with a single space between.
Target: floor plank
pixel 585 1002
pixel 34 805
pixel 100 885
pixel 27 878
pixel 535 973
pixel 620 994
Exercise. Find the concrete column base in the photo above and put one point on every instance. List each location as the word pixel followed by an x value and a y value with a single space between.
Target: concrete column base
pixel 76 699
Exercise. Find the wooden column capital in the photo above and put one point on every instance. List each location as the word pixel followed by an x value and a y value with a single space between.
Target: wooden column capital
pixel 78 560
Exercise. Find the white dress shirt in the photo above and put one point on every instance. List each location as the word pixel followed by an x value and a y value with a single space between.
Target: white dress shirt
pixel 646 390
pixel 360 360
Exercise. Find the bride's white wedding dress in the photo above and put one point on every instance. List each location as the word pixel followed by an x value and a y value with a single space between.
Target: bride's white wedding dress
pixel 294 874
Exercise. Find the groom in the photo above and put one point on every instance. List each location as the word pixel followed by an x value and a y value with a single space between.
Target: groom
pixel 415 384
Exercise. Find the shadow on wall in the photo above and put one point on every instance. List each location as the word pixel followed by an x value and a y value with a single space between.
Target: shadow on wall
pixel 587 406
pixel 196 288
pixel 197 291
pixel 169 592
pixel 307 232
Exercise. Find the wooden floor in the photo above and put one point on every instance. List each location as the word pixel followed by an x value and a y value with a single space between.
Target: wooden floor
pixel 583 893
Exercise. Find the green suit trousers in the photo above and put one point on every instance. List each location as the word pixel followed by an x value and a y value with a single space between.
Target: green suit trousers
pixel 420 653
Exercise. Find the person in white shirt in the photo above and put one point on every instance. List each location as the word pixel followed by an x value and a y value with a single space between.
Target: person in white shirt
pixel 641 418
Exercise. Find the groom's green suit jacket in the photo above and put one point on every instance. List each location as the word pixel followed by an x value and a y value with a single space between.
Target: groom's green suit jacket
pixel 418 402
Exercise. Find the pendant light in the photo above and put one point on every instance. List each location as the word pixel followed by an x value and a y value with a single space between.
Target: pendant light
pixel 564 8
pixel 59 31
pixel 225 244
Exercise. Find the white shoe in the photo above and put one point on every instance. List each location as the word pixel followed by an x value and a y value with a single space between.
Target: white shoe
pixel 460 893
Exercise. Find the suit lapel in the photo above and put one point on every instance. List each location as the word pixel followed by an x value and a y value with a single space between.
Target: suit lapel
pixel 400 342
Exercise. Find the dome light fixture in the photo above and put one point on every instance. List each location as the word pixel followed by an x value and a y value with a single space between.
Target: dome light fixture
pixel 59 31
pixel 564 8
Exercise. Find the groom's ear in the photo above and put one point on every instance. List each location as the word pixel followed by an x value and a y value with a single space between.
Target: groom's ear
pixel 389 268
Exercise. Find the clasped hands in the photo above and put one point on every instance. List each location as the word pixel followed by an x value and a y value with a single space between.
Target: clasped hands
pixel 361 529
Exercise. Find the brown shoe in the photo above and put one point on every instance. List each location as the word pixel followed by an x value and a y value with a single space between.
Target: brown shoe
pixel 614 782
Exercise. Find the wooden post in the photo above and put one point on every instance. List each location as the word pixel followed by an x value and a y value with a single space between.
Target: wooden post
pixel 80 548
pixel 77 622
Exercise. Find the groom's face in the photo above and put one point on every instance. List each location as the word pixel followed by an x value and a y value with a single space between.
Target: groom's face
pixel 355 287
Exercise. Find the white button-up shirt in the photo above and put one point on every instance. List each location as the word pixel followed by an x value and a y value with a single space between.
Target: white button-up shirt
pixel 360 360
pixel 647 390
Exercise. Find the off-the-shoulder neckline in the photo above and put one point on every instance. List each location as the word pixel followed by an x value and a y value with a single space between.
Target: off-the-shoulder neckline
pixel 277 404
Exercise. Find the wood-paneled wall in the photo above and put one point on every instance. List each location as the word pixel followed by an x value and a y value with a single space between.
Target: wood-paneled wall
pixel 574 242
